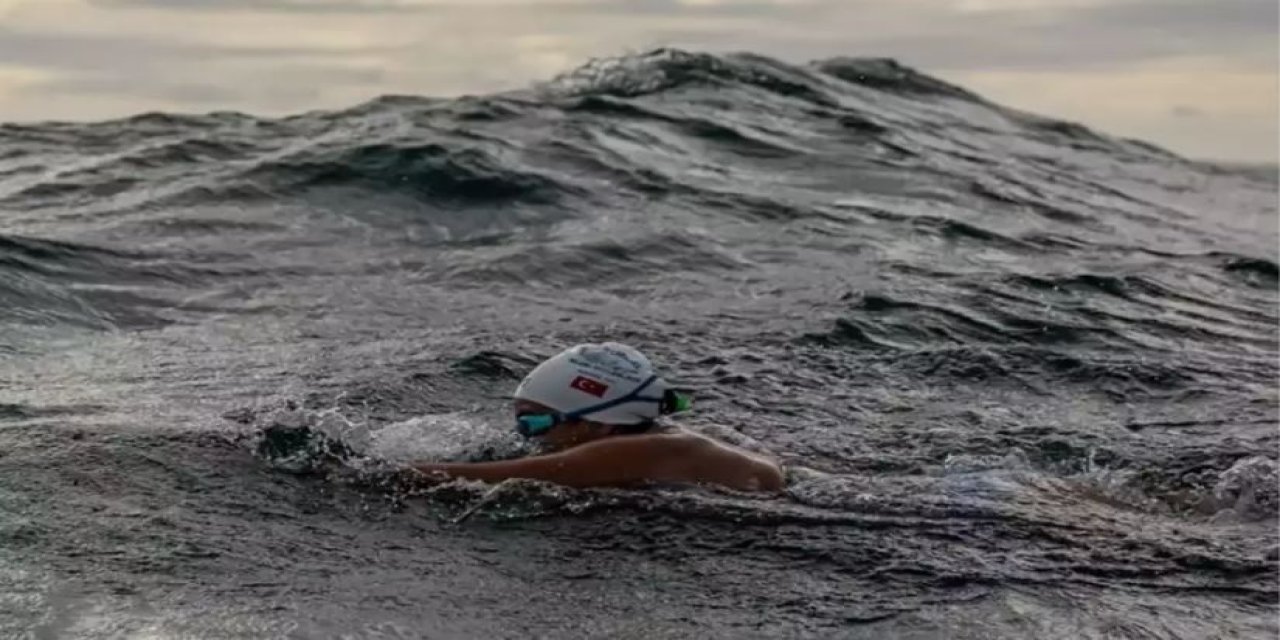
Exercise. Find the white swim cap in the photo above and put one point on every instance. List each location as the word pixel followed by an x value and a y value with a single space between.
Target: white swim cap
pixel 596 374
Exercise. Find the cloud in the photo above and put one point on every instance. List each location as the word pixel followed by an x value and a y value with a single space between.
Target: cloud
pixel 1186 17
pixel 1059 35
pixel 182 93
pixel 667 7
pixel 939 34
pixel 63 70
pixel 87 52
pixel 196 92
pixel 336 6
pixel 1237 108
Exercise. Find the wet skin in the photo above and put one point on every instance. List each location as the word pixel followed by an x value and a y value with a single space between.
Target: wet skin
pixel 589 454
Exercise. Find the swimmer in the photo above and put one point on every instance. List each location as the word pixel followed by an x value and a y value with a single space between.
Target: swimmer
pixel 596 409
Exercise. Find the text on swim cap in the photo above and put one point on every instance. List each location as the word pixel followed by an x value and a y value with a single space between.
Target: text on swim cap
pixel 607 367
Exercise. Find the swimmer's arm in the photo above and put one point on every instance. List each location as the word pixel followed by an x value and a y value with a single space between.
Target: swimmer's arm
pixel 624 461
pixel 598 464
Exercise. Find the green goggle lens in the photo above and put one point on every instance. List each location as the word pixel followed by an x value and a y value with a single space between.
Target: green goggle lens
pixel 535 423
pixel 680 403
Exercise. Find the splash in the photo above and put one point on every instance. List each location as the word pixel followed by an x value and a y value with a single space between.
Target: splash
pixel 1249 490
pixel 309 440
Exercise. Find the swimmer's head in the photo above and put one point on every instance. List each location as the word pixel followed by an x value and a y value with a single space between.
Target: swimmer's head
pixel 591 390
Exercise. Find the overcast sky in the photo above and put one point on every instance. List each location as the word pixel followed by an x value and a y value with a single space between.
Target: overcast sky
pixel 1196 76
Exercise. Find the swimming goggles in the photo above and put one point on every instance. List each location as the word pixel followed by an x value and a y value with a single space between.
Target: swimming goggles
pixel 535 424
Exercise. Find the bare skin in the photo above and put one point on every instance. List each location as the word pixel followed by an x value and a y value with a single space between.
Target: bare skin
pixel 587 454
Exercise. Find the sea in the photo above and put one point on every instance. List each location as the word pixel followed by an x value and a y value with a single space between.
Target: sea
pixel 1022 374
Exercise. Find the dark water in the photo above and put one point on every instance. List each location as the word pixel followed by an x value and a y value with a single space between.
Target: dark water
pixel 1024 374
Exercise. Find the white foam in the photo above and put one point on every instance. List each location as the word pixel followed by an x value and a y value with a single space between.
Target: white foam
pixel 1249 489
pixel 964 463
pixel 441 437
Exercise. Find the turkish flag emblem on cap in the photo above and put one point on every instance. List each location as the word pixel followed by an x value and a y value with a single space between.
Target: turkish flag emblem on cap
pixel 587 385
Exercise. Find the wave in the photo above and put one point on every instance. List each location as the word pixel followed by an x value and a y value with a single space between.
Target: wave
pixel 467 150
pixel 673 164
pixel 48 282
pixel 999 353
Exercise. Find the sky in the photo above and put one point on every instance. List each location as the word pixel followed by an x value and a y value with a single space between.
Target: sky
pixel 1198 77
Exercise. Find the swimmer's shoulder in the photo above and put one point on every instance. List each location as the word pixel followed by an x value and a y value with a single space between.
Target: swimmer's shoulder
pixel 704 458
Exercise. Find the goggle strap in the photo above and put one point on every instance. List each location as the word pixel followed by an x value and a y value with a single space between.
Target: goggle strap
pixel 620 400
pixel 670 402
